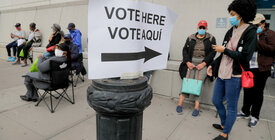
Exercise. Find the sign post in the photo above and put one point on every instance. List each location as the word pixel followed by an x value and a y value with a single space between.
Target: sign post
pixel 124 37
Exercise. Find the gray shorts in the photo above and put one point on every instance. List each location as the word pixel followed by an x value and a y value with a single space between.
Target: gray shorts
pixel 194 75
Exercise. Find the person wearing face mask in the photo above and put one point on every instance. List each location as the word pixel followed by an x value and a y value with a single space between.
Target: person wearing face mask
pixel 236 51
pixel 16 35
pixel 55 38
pixel 76 36
pixel 197 55
pixel 62 54
pixel 76 62
pixel 260 66
pixel 76 39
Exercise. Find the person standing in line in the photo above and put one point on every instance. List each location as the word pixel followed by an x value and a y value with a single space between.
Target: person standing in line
pixel 197 55
pixel 76 39
pixel 260 66
pixel 236 52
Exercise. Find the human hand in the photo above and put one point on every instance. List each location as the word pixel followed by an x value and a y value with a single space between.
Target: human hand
pixel 13 35
pixel 210 71
pixel 201 66
pixel 219 48
pixel 190 65
pixel 51 37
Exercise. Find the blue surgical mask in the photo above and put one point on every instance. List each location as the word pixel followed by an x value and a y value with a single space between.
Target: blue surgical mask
pixel 233 20
pixel 71 31
pixel 201 31
pixel 259 30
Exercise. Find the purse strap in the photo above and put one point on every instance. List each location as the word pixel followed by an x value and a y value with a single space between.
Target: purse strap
pixel 197 76
pixel 233 50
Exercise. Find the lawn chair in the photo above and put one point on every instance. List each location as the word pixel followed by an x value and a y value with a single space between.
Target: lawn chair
pixel 59 81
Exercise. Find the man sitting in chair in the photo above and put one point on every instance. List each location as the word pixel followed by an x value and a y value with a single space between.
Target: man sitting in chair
pixel 62 54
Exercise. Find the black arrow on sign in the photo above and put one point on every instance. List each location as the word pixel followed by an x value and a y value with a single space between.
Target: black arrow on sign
pixel 147 55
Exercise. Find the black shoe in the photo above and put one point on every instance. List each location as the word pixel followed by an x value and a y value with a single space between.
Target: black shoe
pixel 31 60
pixel 218 127
pixel 220 138
pixel 34 100
pixel 25 98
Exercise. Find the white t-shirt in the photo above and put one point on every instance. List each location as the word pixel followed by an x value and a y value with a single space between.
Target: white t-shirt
pixel 31 35
pixel 19 33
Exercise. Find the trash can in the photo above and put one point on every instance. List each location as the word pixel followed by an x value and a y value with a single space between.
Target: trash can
pixel 119 105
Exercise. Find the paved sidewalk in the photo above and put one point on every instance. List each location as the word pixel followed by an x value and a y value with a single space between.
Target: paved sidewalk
pixel 21 120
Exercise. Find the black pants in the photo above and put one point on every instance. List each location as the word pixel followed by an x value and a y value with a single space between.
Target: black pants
pixel 83 71
pixel 25 48
pixel 12 45
pixel 253 97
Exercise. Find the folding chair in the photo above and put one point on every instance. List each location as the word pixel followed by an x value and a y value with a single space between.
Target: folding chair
pixel 59 81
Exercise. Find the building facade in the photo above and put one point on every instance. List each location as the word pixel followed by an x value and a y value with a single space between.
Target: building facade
pixel 165 82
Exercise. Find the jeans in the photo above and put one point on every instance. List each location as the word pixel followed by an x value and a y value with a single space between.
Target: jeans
pixel 253 97
pixel 12 45
pixel 228 90
pixel 48 54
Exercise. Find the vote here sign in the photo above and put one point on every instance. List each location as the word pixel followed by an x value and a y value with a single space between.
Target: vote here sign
pixel 127 36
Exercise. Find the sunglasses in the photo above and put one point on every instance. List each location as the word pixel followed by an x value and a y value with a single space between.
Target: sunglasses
pixel 202 27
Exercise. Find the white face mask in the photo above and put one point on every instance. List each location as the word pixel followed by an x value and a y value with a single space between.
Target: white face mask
pixel 58 53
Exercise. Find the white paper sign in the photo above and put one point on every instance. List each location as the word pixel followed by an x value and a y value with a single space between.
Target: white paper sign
pixel 127 36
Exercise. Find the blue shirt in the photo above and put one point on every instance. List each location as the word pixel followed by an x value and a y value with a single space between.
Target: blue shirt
pixel 76 39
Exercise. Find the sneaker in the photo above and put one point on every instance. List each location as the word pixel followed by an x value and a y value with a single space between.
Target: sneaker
pixel 195 113
pixel 16 63
pixel 9 59
pixel 220 138
pixel 217 127
pixel 179 109
pixel 242 115
pixel 24 65
pixel 253 122
pixel 13 59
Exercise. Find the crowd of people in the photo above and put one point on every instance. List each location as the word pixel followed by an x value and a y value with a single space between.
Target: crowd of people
pixel 249 44
pixel 60 48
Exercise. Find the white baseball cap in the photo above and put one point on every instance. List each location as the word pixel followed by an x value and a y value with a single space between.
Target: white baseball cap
pixel 258 18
